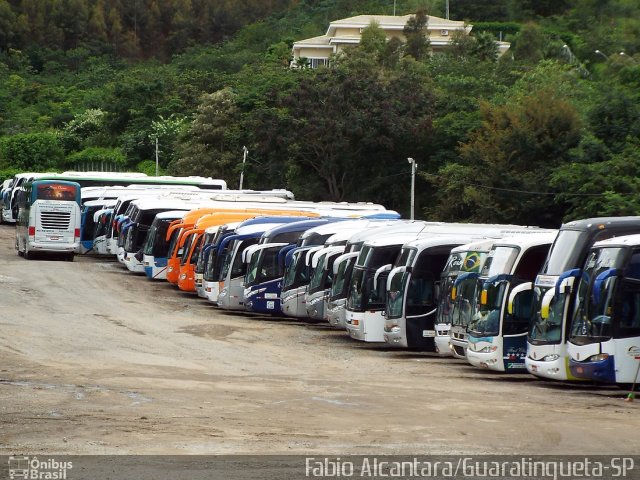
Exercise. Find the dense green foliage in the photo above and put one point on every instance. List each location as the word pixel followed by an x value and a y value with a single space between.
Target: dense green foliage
pixel 546 133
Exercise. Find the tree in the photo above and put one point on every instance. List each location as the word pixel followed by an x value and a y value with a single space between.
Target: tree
pixel 602 188
pixel 7 25
pixel 615 117
pixel 206 146
pixel 503 172
pixel 166 132
pixel 32 152
pixel 417 35
pixel 530 44
pixel 96 158
pixel 80 131
pixel 486 47
pixel 373 40
pixel 97 25
pixel 351 127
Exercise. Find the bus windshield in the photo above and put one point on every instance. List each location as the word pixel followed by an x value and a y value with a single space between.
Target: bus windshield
pixel 395 295
pixel 594 301
pixel 290 274
pixel 263 266
pixel 317 275
pixel 486 321
pixel 339 282
pixel 465 301
pixel 565 252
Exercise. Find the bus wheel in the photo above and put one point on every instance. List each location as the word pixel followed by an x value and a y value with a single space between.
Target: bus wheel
pixel 70 257
pixel 26 254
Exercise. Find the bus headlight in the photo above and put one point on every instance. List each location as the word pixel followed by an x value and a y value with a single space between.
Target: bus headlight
pixel 551 358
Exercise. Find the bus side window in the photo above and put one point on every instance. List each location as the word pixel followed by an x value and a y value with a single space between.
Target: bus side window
pixel 633 269
pixel 629 312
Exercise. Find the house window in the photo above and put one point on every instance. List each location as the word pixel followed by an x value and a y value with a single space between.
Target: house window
pixel 318 62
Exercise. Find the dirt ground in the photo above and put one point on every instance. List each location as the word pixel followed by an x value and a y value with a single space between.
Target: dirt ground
pixel 94 360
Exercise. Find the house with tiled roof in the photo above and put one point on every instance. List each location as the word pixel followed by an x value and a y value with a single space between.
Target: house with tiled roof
pixel 347 31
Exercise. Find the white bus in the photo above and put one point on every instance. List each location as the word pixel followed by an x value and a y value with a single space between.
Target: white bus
pixel 604 338
pixel 48 218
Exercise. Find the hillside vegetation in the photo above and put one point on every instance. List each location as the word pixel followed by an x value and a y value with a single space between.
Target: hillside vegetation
pixel 548 132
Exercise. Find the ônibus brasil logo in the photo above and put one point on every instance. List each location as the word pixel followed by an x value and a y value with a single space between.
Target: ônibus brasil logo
pixel 33 468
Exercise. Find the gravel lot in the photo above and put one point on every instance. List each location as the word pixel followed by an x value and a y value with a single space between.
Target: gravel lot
pixel 94 360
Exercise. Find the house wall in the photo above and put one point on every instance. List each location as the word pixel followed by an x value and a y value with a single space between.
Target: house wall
pixel 347 32
pixel 310 52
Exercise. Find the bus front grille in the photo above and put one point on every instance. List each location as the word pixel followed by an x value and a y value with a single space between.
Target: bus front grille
pixel 55 220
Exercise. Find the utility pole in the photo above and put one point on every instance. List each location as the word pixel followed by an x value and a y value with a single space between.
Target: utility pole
pixel 157 162
pixel 414 167
pixel 245 151
pixel 447 9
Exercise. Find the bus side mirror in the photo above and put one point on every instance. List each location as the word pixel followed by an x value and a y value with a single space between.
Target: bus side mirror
pixel 523 287
pixel 565 285
pixel 522 305
pixel 599 282
pixel 545 305
pixel 384 268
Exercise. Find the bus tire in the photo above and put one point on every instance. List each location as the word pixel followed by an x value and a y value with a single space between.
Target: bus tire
pixel 26 254
pixel 69 257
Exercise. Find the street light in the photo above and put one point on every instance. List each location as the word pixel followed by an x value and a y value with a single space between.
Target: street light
pixel 622 54
pixel 244 160
pixel 599 52
pixel 414 166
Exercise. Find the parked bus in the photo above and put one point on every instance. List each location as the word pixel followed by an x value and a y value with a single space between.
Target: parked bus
pixel 211 240
pixel 87 222
pixel 462 260
pixel 261 205
pixel 365 305
pixel 317 292
pixel 243 211
pixel 143 213
pixel 554 291
pixel 343 266
pixel 10 208
pixel 106 179
pixel 231 261
pixel 156 246
pixel 192 243
pixel 48 218
pixel 604 335
pixel 216 251
pixel 411 290
pixel 497 332
pixel 102 219
pixel 297 274
pixel 263 280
